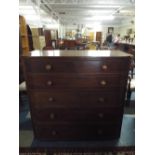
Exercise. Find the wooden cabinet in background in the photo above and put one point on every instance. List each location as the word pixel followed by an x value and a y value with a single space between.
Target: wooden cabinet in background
pixel 99 37
pixel 51 37
pixel 38 38
pixel 48 38
pixel 23 35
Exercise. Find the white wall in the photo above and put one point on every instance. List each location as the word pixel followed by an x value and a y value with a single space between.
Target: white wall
pixel 125 26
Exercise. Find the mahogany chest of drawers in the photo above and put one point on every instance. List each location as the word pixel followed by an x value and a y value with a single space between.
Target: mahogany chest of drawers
pixel 76 95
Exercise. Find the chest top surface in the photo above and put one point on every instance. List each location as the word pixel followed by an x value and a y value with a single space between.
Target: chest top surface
pixel 77 53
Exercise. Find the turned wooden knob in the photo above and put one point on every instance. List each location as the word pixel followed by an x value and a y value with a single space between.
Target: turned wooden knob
pixel 103 83
pixel 101 99
pixel 104 67
pixel 50 99
pixel 48 67
pixel 52 116
pixel 53 133
pixel 100 115
pixel 100 132
pixel 49 83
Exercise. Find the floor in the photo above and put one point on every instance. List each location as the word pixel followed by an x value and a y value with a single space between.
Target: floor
pixel 26 138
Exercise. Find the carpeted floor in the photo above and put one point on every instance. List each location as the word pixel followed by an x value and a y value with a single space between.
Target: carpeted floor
pixel 87 153
pixel 83 153
pixel 103 151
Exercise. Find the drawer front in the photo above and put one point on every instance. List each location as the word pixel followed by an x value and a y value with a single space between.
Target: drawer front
pixel 75 99
pixel 77 81
pixel 53 65
pixel 78 132
pixel 77 114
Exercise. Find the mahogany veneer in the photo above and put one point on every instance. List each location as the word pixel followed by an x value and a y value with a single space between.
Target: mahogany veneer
pixel 76 95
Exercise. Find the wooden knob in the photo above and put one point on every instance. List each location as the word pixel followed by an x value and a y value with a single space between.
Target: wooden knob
pixel 50 99
pixel 48 67
pixel 100 115
pixel 104 67
pixel 101 99
pixel 52 116
pixel 49 83
pixel 100 132
pixel 53 133
pixel 103 83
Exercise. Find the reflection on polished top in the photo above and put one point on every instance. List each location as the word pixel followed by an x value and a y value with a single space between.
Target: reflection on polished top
pixel 77 53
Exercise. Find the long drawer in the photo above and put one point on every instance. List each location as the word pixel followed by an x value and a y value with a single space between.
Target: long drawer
pixel 54 65
pixel 78 132
pixel 47 81
pixel 63 98
pixel 78 114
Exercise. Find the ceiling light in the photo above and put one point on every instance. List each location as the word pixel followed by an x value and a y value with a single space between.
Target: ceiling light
pixel 27 7
pixel 106 6
pixel 28 12
pixel 55 26
pixel 32 17
pixel 96 26
pixel 100 11
pixel 101 18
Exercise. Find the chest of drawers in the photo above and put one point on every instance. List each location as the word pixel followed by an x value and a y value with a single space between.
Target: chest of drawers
pixel 76 95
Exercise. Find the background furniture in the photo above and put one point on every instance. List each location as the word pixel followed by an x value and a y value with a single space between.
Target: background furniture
pixel 76 95
pixel 22 90
pixel 38 38
pixel 70 44
pixel 99 37
pixel 23 35
pixel 128 48
pixel 130 89
pixel 48 48
pixel 30 38
pixel 50 38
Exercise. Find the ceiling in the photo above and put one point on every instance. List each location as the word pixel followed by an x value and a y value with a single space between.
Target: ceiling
pixel 82 12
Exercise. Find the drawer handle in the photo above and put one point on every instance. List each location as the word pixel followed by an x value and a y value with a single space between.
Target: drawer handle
pixel 52 116
pixel 48 67
pixel 49 83
pixel 101 99
pixel 101 115
pixel 103 83
pixel 104 67
pixel 50 99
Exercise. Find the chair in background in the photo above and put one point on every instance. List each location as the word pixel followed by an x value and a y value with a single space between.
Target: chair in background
pixel 131 78
pixel 130 89
pixel 60 44
pixel 131 50
pixel 48 48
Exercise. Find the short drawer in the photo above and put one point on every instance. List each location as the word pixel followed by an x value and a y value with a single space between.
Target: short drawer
pixel 108 82
pixel 78 132
pixel 78 114
pixel 64 98
pixel 78 65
